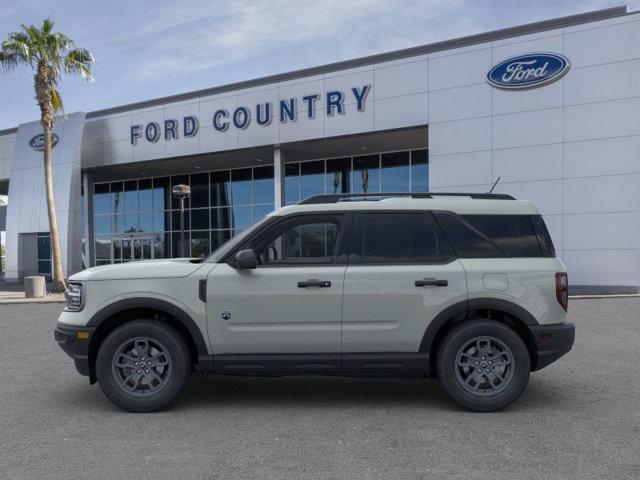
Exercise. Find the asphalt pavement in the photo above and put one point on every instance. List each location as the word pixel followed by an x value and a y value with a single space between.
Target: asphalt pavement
pixel 578 418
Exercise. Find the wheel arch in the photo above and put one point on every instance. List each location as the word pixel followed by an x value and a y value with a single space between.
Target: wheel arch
pixel 503 311
pixel 127 310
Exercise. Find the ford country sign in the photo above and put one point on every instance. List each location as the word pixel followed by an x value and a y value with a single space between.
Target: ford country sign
pixel 37 142
pixel 528 71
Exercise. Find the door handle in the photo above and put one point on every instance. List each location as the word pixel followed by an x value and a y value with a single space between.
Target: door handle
pixel 314 283
pixel 431 282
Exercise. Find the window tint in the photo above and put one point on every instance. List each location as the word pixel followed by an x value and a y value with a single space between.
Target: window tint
pixel 512 233
pixel 305 242
pixel 487 236
pixel 399 238
pixel 544 239
pixel 467 241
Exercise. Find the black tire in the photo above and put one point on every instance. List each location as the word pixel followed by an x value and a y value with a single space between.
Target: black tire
pixel 491 389
pixel 163 384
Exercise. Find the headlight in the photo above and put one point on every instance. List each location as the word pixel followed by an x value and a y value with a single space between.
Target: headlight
pixel 73 296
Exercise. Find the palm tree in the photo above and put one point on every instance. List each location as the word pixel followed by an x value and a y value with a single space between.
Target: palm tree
pixel 47 53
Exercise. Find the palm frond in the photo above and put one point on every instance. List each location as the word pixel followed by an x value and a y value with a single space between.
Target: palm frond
pixel 56 101
pixel 79 60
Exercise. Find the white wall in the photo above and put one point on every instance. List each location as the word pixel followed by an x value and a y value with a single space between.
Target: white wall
pixel 572 146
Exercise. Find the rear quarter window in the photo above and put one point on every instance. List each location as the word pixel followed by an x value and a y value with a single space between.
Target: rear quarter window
pixel 489 236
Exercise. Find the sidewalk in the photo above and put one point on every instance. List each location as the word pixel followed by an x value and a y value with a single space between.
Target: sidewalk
pixel 11 294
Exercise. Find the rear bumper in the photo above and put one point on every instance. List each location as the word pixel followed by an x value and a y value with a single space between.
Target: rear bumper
pixel 552 342
pixel 75 343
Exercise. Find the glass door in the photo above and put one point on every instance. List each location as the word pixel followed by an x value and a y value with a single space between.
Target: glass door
pixel 129 248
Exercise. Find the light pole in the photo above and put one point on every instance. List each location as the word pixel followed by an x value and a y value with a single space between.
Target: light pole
pixel 181 192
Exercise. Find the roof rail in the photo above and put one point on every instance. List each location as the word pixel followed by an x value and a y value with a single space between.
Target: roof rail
pixel 342 197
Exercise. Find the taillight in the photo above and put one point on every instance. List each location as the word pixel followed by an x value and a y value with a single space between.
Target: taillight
pixel 562 289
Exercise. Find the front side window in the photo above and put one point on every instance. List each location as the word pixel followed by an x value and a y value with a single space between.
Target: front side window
pixel 301 241
pixel 399 238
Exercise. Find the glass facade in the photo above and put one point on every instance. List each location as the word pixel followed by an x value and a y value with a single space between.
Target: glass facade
pixel 406 171
pixel 140 219
pixel 44 253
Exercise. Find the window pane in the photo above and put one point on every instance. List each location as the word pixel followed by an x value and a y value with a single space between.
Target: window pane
pixel 161 194
pixel 145 222
pixel 118 223
pixel 220 218
pixel 175 245
pixel 101 198
pixel 242 217
pixel 366 174
pixel 131 222
pixel 512 233
pixel 544 239
pixel 161 245
pixel 263 185
pixel 44 266
pixel 220 189
pixel 260 211
pixel 200 219
pixel 117 190
pixel 130 196
pixel 175 220
pixel 126 249
pixel 161 221
pixel 200 190
pixel 241 186
pixel 395 172
pixel 117 249
pixel 306 243
pixel 401 238
pixel 145 195
pixel 219 237
pixel 420 171
pixel 102 247
pixel 468 242
pixel 179 180
pixel 102 224
pixel 44 247
pixel 311 179
pixel 338 177
pixel 199 244
pixel 291 183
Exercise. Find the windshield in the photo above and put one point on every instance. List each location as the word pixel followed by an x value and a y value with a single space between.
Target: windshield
pixel 223 249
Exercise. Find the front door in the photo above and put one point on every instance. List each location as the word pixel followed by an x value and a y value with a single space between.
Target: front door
pixel 402 273
pixel 291 303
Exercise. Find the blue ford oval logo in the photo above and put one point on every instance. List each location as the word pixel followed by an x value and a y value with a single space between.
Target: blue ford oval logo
pixel 528 71
pixel 37 142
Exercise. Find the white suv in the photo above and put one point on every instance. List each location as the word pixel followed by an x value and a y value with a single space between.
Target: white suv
pixel 465 287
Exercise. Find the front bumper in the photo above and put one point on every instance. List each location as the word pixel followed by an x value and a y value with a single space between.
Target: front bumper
pixel 552 342
pixel 75 343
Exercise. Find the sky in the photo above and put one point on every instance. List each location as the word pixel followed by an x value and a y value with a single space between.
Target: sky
pixel 145 50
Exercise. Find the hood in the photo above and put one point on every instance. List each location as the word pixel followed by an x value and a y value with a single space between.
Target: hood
pixel 175 268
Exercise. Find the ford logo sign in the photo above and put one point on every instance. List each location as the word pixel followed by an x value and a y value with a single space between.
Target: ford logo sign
pixel 37 142
pixel 528 71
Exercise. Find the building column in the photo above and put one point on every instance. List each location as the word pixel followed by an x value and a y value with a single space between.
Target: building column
pixel 278 176
pixel 87 186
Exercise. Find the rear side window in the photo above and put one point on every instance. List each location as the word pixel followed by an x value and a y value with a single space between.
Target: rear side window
pixel 395 238
pixel 488 236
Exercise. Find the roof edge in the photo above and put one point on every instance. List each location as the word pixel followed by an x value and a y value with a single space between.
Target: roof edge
pixel 494 35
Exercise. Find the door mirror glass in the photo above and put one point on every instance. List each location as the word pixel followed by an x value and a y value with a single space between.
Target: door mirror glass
pixel 245 260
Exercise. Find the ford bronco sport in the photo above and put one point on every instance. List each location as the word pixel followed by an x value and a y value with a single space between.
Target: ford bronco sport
pixel 463 287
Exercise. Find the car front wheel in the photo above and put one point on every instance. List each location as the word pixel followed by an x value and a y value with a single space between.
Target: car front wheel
pixel 143 365
pixel 483 365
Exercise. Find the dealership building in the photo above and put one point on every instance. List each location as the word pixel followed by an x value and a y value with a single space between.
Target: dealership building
pixel 551 109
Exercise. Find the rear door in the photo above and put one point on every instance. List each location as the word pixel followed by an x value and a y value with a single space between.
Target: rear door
pixel 401 274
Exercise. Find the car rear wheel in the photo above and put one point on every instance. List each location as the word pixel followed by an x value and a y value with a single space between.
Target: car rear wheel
pixel 483 365
pixel 143 365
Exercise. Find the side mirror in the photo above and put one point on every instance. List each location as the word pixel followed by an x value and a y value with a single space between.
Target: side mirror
pixel 245 260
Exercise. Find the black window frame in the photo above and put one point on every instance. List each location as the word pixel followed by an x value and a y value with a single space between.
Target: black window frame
pixel 279 226
pixel 429 222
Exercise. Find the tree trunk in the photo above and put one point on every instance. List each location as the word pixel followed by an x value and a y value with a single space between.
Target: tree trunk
pixel 59 285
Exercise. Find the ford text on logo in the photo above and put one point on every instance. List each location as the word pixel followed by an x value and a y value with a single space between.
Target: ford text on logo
pixel 37 142
pixel 287 109
pixel 528 71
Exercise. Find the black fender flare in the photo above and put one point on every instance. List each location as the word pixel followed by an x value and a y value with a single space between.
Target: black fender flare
pixel 465 306
pixel 155 304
